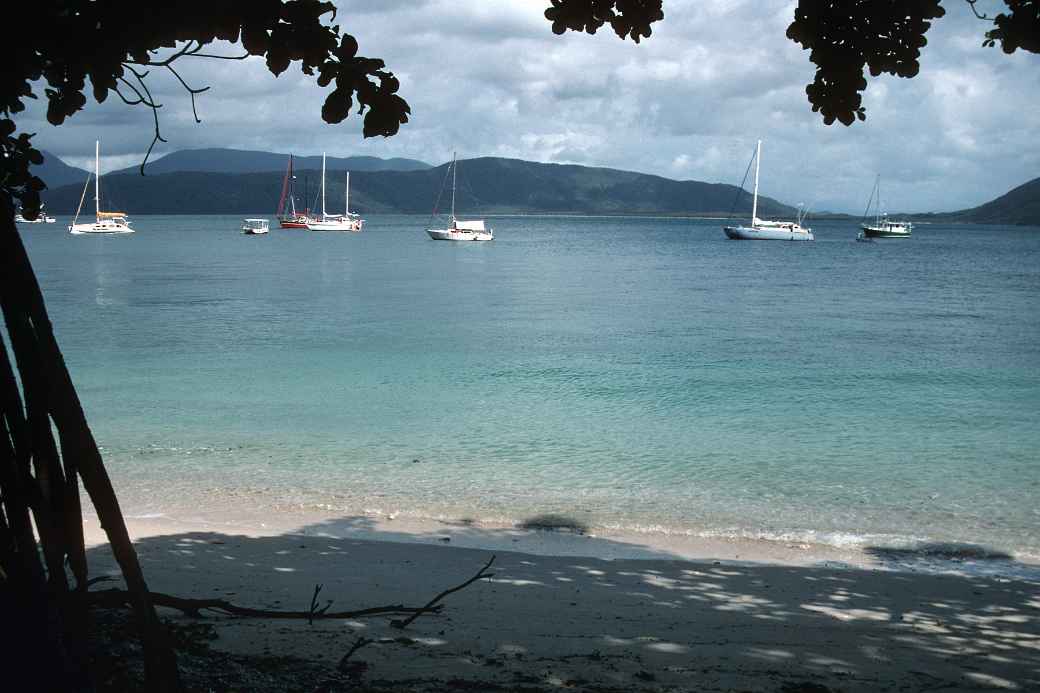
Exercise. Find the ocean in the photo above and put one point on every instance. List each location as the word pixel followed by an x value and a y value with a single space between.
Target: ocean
pixel 643 375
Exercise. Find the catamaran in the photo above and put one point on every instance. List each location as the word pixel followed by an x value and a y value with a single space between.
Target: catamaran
pixel 461 230
pixel 882 226
pixel 254 226
pixel 104 222
pixel 335 222
pixel 763 230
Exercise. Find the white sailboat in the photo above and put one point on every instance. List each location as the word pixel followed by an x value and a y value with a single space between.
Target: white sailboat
pixel 882 227
pixel 473 230
pixel 104 222
pixel 335 222
pixel 762 230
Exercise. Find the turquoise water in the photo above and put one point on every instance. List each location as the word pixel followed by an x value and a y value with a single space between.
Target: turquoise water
pixel 641 374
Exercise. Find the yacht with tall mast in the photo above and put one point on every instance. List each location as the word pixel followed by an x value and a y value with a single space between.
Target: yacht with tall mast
pixel 764 230
pixel 104 222
pixel 348 221
pixel 287 214
pixel 473 230
pixel 882 227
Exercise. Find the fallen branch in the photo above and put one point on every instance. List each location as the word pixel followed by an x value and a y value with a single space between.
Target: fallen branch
pixel 192 607
pixel 344 663
pixel 315 611
pixel 432 605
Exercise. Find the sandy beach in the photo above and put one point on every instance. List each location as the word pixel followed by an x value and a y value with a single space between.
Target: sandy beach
pixel 554 619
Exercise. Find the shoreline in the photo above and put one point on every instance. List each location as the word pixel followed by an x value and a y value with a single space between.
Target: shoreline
pixel 558 536
pixel 555 620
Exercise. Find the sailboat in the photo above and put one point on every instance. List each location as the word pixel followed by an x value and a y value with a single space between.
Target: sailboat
pixel 288 217
pixel 41 218
pixel 335 222
pixel 760 230
pixel 461 230
pixel 104 222
pixel 882 226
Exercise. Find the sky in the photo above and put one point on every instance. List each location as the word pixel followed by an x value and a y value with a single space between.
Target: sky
pixel 489 78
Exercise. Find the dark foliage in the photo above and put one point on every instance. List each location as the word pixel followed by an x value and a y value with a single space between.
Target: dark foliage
pixel 1020 29
pixel 631 18
pixel 128 38
pixel 845 37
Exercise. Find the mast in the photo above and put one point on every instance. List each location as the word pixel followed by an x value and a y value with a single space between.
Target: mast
pixel 97 179
pixel 292 188
pixel 323 184
pixel 285 189
pixel 878 184
pixel 754 202
pixel 453 167
pixel 346 204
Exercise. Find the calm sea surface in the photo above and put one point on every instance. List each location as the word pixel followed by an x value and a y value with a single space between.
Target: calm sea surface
pixel 640 374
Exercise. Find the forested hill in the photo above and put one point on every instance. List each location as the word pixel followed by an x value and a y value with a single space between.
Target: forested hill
pixel 1019 206
pixel 56 173
pixel 245 161
pixel 485 186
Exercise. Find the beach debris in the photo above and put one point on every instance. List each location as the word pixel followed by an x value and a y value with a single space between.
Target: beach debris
pixel 354 669
pixel 434 603
pixel 112 598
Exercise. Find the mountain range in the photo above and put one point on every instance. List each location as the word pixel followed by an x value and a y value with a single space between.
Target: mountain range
pixel 229 181
pixel 485 186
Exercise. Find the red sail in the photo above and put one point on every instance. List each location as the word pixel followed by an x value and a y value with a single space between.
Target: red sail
pixel 285 188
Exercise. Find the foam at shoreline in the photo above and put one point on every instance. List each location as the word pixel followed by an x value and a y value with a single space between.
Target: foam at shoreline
pixel 554 535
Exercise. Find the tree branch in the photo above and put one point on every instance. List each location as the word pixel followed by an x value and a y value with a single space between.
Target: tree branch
pixel 432 604
pixel 191 91
pixel 155 111
pixel 971 4
pixel 192 607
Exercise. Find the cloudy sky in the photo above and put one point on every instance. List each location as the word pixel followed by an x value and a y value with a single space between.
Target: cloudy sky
pixel 489 78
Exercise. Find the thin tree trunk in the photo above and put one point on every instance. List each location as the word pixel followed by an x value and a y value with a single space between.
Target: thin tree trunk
pixel 21 297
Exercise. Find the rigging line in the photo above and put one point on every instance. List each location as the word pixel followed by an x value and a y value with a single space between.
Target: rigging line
pixel 736 197
pixel 477 202
pixel 440 194
pixel 81 198
pixel 874 190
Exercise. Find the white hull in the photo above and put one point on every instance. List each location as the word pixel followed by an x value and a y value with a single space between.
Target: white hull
pixel 454 235
pixel 101 227
pixel 254 232
pixel 337 225
pixel 754 233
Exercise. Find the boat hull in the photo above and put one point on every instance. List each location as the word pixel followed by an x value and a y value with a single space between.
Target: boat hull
pixel 454 235
pixel 747 233
pixel 871 232
pixel 334 226
pixel 99 229
pixel 291 224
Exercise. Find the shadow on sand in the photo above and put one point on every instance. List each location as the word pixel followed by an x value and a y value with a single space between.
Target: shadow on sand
pixel 559 622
